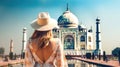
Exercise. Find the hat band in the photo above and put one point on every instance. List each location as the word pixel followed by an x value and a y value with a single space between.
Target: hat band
pixel 42 21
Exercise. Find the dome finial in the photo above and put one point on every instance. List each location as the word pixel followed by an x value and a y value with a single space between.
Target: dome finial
pixel 67 7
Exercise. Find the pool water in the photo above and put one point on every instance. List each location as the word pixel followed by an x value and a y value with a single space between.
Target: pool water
pixel 71 63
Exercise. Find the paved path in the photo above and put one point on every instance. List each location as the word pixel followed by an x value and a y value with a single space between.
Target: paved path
pixel 110 63
pixel 6 63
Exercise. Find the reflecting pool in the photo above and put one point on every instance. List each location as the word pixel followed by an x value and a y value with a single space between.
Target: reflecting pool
pixel 71 63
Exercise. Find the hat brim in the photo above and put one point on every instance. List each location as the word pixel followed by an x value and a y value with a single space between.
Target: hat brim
pixel 52 23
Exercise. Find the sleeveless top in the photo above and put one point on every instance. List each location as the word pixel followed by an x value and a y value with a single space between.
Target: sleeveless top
pixel 57 58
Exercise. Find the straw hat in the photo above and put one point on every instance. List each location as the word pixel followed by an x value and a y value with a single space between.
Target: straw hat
pixel 44 22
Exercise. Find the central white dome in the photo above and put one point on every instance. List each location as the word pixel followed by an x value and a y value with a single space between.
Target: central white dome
pixel 68 19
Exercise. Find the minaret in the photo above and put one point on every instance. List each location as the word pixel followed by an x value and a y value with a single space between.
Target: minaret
pixel 24 41
pixel 11 46
pixel 11 50
pixel 98 37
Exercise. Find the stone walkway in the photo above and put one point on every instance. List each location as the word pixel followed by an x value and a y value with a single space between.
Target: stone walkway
pixel 110 63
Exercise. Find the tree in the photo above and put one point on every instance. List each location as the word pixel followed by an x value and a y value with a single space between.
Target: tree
pixel 88 55
pixel 2 50
pixel 104 55
pixel 11 55
pixel 115 51
pixel 99 56
pixel 93 56
pixel 15 56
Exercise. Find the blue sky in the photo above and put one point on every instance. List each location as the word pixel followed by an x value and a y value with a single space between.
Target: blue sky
pixel 17 14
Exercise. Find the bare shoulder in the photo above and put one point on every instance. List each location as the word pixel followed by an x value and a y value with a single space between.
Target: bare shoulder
pixel 55 40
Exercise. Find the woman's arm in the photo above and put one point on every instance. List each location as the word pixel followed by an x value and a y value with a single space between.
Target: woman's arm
pixel 29 61
pixel 60 57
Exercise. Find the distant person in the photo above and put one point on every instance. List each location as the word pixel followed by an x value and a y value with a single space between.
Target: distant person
pixel 6 58
pixel 96 57
pixel 43 50
pixel 106 59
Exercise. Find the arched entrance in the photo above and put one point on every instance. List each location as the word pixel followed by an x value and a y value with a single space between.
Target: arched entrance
pixel 68 42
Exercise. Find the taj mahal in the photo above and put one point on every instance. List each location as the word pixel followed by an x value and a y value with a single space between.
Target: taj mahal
pixel 76 38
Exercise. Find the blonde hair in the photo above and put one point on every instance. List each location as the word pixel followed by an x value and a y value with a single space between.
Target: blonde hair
pixel 43 37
